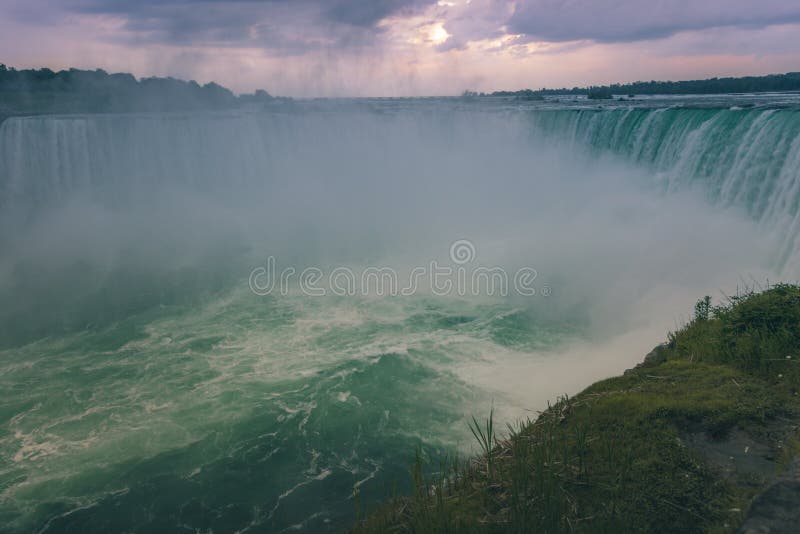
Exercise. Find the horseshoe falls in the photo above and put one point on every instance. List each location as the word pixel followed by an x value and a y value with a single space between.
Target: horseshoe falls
pixel 212 321
pixel 747 158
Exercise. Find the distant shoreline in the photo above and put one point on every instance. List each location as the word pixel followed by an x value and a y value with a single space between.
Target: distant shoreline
pixel 771 83
pixel 43 91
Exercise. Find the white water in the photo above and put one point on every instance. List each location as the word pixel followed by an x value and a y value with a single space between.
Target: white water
pixel 746 158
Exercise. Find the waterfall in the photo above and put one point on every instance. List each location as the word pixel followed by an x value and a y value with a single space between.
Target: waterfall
pixel 746 158
pixel 42 158
pixel 137 362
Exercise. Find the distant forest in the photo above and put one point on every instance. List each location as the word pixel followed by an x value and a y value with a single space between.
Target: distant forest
pixel 747 84
pixel 96 91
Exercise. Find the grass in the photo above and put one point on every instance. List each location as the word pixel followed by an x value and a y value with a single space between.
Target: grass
pixel 487 440
pixel 622 456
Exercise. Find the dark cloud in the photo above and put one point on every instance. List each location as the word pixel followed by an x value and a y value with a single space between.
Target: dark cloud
pixel 634 20
pixel 367 13
pixel 281 25
pixel 287 27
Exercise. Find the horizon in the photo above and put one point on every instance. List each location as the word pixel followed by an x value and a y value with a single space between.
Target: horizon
pixel 553 91
pixel 403 48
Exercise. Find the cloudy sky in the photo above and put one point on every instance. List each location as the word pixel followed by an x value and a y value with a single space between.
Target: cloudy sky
pixel 405 47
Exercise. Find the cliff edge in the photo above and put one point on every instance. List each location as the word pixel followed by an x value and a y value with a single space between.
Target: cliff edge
pixel 700 437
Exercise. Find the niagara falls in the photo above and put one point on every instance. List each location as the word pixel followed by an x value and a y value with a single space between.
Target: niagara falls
pixel 399 266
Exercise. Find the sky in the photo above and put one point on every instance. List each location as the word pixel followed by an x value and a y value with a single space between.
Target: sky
pixel 307 48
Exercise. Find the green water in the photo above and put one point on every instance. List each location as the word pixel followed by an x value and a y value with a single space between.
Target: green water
pixel 245 412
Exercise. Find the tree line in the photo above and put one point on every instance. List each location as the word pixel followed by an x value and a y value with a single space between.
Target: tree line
pixel 78 91
pixel 746 84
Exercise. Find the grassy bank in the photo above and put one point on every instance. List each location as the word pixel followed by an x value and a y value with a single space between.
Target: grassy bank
pixel 681 443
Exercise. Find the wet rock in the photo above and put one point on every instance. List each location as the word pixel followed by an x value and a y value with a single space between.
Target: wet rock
pixel 776 509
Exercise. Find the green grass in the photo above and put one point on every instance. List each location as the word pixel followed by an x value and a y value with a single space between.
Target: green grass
pixel 619 457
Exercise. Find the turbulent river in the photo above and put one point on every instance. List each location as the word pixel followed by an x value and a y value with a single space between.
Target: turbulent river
pixel 249 321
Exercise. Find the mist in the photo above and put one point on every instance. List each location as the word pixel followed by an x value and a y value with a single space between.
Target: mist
pixel 107 214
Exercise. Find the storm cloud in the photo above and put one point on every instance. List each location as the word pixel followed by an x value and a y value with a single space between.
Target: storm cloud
pixel 635 20
pixel 404 47
pixel 293 26
pixel 288 26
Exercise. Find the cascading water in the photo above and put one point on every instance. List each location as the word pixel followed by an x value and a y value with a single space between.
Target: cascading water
pixel 145 386
pixel 747 158
pixel 740 157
